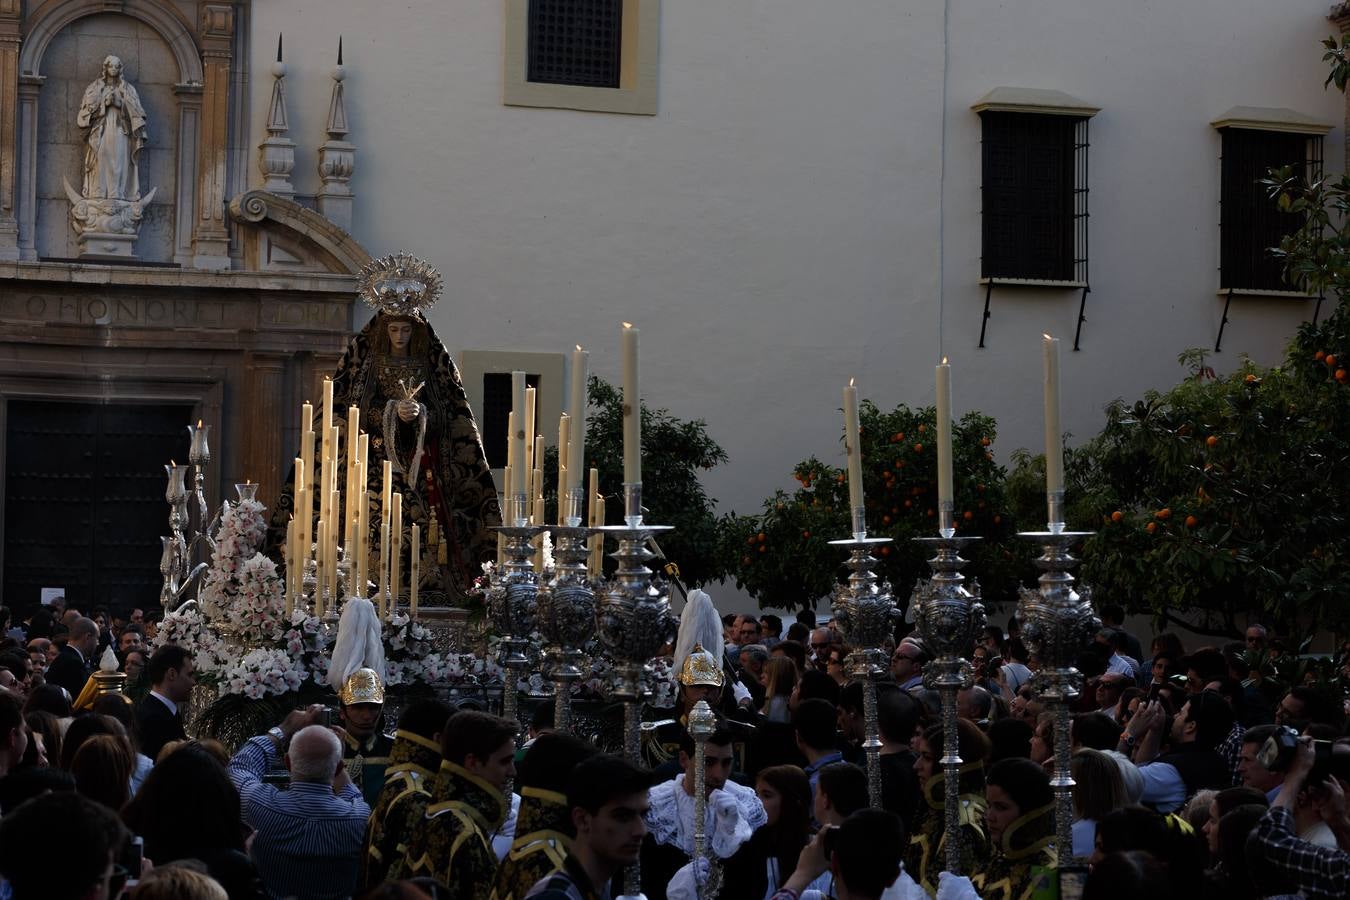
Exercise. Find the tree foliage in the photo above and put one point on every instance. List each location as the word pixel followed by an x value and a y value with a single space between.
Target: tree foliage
pixel 782 556
pixel 674 451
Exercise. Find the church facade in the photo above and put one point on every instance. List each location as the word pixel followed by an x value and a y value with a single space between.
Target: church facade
pixel 782 195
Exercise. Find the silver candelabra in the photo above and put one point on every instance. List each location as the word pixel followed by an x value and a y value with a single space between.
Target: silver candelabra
pixel 511 602
pixel 1057 623
pixel 566 608
pixel 865 613
pixel 949 617
pixel 186 532
pixel 702 725
pixel 633 623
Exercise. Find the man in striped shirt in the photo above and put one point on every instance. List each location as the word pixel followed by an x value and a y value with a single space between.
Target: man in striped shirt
pixel 308 838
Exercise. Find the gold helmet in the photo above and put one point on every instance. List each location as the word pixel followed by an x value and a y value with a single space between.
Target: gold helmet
pixel 701 668
pixel 362 686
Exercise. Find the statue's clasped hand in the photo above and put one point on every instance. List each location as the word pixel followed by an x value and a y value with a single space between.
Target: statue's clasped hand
pixel 408 410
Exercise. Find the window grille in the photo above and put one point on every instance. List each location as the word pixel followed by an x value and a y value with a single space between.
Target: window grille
pixel 1250 223
pixel 495 412
pixel 575 42
pixel 1034 195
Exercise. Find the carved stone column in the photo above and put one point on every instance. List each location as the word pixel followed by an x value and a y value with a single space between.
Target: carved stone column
pixel 265 417
pixel 276 155
pixel 11 12
pixel 189 120
pixel 29 88
pixel 210 236
pixel 337 158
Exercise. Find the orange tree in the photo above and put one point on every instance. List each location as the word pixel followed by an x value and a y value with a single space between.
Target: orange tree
pixel 782 555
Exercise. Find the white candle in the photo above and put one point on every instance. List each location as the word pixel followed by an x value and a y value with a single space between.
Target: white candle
pixel 414 569
pixel 363 516
pixel 517 449
pixel 326 457
pixel 384 569
pixel 853 447
pixel 564 448
pixel 597 518
pixel 290 566
pixel 576 451
pixel 386 490
pixel 1054 435
pixel 531 428
pixel 319 568
pixel 395 551
pixel 334 529
pixel 946 495
pixel 632 408
pixel 349 507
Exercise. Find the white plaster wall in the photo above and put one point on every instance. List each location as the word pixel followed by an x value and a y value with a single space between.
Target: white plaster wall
pixel 775 229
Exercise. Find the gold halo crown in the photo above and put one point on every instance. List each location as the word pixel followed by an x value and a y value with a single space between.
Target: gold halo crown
pixel 399 284
pixel 701 668
pixel 362 686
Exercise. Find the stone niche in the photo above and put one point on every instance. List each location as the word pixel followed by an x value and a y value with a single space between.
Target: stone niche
pixel 74 58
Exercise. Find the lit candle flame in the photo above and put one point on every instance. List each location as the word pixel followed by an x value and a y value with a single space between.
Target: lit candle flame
pixel 850 382
pixel 199 423
pixel 627 324
pixel 578 346
pixel 944 360
pixel 1046 336
pixel 172 464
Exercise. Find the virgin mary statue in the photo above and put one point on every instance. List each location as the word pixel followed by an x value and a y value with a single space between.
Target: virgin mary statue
pixel 413 406
pixel 111 111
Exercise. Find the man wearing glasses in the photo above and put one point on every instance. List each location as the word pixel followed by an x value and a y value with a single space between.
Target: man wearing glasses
pixel 907 663
pixel 821 641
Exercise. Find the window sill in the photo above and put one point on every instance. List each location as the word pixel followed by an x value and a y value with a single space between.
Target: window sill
pixel 1032 282
pixel 1256 292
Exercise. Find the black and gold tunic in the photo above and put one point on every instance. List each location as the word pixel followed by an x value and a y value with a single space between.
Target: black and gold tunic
pixel 401 805
pixel 928 844
pixel 543 838
pixel 1024 854
pixel 454 842
pixel 366 761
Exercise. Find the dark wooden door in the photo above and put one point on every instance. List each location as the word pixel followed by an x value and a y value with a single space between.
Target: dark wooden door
pixel 84 500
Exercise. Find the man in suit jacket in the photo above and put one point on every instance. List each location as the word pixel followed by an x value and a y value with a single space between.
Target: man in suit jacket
pixel 73 664
pixel 158 717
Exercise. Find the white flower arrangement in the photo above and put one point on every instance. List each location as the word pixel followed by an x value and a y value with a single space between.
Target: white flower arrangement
pixel 264 672
pixel 242 586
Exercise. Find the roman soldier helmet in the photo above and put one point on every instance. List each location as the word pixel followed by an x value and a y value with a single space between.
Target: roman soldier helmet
pixel 362 686
pixel 701 668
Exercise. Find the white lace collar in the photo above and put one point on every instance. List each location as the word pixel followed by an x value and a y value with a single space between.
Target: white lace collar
pixel 671 817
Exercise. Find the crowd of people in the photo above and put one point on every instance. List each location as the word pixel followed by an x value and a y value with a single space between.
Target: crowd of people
pixel 1195 777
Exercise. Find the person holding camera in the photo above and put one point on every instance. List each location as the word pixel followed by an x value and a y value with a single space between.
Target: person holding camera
pixel 863 857
pixel 1191 763
pixel 1315 871
pixel 307 838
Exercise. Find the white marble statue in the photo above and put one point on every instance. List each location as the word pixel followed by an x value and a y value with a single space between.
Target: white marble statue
pixel 107 211
pixel 111 112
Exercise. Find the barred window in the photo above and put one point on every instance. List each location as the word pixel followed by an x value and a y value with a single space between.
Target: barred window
pixel 1034 196
pixel 1250 223
pixel 575 42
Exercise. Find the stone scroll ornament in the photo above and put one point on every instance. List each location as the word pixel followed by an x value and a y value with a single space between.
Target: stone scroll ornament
pixel 106 212
pixel 437 458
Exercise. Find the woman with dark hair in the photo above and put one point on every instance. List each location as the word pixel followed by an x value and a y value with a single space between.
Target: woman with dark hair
pixel 779 678
pixel 766 861
pixel 102 768
pixel 1167 838
pixel 1230 878
pixel 117 706
pixel 45 729
pixel 84 728
pixel 51 698
pixel 1129 876
pixel 927 842
pixel 190 778
pixel 1021 822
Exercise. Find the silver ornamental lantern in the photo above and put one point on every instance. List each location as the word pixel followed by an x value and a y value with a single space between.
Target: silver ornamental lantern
pixel 511 603
pixel 702 725
pixel 633 623
pixel 865 612
pixel 1057 623
pixel 949 617
pixel 566 609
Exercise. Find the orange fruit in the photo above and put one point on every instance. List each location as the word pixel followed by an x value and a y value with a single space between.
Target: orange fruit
pixel 762 548
pixel 1341 375
pixel 998 520
pixel 984 442
pixel 1163 513
pixel 840 479
pixel 1331 360
pixel 909 504
pixel 1117 516
pixel 750 540
pixel 922 428
pixel 745 560
pixel 806 534
pixel 930 513
pixel 918 448
pixel 1212 441
pixel 1250 379
pixel 1320 355
pixel 885 520
pixel 980 504
pixel 761 537
pixel 1151 527
pixel 897 438
pixel 894 510
pixel 1192 521
pixel 885 551
pixel 968 515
